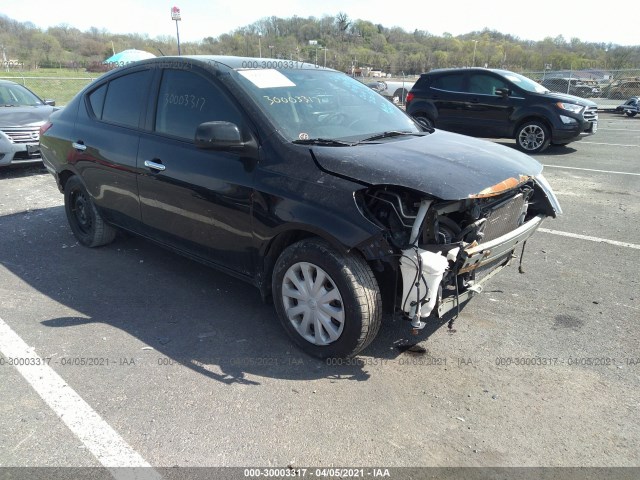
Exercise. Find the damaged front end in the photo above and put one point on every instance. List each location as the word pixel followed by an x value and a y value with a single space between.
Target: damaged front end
pixel 446 250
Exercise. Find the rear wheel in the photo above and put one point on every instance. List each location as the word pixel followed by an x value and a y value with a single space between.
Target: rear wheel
pixel 85 221
pixel 401 95
pixel 533 137
pixel 630 113
pixel 328 302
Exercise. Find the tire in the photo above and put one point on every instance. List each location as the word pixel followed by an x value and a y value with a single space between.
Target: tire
pixel 401 94
pixel 86 223
pixel 532 137
pixel 350 316
pixel 630 113
pixel 424 121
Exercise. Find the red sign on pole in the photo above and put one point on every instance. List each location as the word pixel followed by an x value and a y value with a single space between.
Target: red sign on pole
pixel 175 14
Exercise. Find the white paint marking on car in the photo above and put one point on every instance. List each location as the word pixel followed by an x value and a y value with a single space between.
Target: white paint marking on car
pixel 590 238
pixel 99 438
pixel 592 170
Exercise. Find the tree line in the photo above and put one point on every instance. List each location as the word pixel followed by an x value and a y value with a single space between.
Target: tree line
pixel 335 41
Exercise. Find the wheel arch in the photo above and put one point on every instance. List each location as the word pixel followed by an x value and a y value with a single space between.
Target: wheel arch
pixel 272 249
pixel 532 118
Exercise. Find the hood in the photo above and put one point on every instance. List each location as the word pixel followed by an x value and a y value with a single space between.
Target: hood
pixel 564 97
pixel 25 116
pixel 445 165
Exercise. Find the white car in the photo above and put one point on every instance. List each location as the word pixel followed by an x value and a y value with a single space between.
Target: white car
pixel 395 91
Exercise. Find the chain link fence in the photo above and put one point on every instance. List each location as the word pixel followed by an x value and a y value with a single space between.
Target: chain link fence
pixel 60 89
pixel 607 88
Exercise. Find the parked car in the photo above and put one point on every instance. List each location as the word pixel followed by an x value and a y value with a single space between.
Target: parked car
pixel 500 104
pixel 395 91
pixel 630 107
pixel 22 113
pixel 572 86
pixel 300 180
pixel 623 89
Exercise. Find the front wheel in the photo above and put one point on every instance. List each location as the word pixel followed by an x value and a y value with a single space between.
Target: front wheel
pixel 630 113
pixel 533 137
pixel 424 121
pixel 327 301
pixel 85 221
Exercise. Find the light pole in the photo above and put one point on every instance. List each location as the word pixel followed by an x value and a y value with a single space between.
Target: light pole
pixel 271 51
pixel 260 44
pixel 175 15
pixel 475 45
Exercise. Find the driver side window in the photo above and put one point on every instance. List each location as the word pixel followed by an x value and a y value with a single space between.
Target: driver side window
pixel 485 84
pixel 186 100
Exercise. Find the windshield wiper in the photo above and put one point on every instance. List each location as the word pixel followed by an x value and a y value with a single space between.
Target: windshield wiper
pixel 327 142
pixel 391 133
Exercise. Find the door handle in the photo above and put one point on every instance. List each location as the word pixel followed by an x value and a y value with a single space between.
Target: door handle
pixel 79 145
pixel 154 165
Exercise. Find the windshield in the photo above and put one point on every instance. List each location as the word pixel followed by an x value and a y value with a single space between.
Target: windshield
pixel 306 104
pixel 523 82
pixel 15 95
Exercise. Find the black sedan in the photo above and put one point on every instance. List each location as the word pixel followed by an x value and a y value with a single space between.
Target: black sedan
pixel 300 180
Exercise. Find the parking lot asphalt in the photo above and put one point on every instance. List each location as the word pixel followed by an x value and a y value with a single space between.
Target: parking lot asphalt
pixel 185 366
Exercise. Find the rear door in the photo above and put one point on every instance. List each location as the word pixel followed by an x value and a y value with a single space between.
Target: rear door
pixel 195 200
pixel 106 142
pixel 446 91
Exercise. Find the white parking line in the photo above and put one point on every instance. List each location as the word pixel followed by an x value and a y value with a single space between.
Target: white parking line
pixel 617 129
pixel 100 439
pixel 591 239
pixel 592 170
pixel 610 144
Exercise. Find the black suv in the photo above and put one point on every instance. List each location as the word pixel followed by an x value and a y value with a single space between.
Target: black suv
pixel 500 104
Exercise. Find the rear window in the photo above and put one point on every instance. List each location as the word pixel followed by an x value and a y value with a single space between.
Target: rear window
pixel 125 97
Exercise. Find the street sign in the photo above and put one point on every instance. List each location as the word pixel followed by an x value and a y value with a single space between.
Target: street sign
pixel 175 14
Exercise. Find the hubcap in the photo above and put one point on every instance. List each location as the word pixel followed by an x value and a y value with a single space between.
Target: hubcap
pixel 81 213
pixel 313 303
pixel 531 137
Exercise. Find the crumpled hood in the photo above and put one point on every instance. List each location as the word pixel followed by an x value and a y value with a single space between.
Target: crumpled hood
pixel 25 116
pixel 445 165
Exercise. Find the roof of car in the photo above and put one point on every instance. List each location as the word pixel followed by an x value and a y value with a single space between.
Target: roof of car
pixel 235 62
pixel 466 69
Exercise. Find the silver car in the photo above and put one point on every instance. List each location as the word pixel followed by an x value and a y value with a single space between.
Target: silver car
pixel 22 113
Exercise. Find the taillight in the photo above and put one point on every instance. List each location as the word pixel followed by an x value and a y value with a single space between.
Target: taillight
pixel 44 127
pixel 409 97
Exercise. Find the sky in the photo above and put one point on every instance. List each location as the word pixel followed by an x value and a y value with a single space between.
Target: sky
pixel 533 20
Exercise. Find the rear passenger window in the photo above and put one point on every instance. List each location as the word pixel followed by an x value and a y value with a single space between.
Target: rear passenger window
pixel 452 82
pixel 96 99
pixel 125 97
pixel 186 100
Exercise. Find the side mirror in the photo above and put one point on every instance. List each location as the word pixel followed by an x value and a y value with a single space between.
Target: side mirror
pixel 503 92
pixel 218 136
pixel 51 103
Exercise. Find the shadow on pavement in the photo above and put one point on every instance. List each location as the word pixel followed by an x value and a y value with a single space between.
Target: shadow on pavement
pixel 194 315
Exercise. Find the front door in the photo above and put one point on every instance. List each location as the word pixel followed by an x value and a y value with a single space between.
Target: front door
pixel 196 200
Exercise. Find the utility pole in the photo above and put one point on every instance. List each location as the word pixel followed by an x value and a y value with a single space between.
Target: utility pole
pixel 475 45
pixel 175 15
